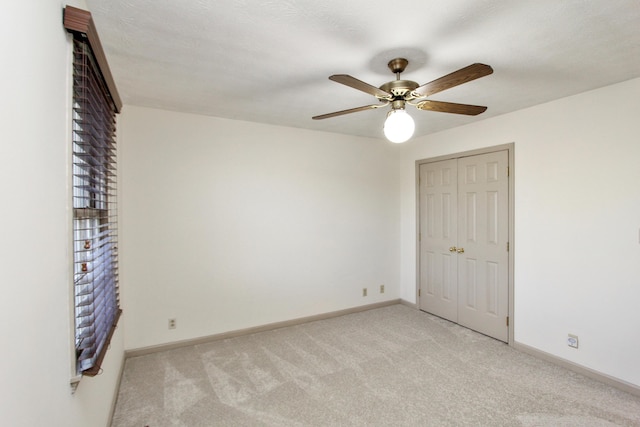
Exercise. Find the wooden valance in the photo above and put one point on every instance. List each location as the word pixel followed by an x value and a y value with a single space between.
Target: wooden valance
pixel 80 21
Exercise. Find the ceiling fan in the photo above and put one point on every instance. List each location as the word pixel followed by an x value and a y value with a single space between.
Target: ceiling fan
pixel 399 126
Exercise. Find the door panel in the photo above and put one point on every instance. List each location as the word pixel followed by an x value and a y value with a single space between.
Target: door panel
pixel 438 232
pixel 483 221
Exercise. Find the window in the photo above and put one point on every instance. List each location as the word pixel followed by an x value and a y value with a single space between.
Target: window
pixel 95 230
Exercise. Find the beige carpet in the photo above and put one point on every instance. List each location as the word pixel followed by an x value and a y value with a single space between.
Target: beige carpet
pixel 393 366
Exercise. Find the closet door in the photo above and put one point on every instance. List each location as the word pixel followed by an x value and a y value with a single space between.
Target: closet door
pixel 438 234
pixel 483 233
pixel 463 264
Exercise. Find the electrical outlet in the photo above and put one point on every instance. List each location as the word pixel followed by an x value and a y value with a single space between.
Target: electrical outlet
pixel 172 323
pixel 364 292
pixel 382 289
pixel 572 341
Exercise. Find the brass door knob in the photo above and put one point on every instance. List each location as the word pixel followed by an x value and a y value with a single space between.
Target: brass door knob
pixel 453 249
pixel 460 250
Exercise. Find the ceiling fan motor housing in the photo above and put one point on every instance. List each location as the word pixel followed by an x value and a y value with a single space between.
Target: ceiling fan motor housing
pixel 400 88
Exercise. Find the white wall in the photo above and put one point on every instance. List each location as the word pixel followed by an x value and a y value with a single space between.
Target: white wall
pixel 577 222
pixel 228 224
pixel 35 277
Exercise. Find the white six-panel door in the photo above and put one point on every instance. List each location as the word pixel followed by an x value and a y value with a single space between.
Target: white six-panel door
pixel 438 233
pixel 463 215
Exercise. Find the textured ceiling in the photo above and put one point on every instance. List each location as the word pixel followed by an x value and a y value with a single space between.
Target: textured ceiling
pixel 268 60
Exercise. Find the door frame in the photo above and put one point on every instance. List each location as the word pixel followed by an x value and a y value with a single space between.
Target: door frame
pixel 510 148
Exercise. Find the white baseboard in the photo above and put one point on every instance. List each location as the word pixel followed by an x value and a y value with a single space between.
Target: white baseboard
pixel 271 326
pixel 409 304
pixel 587 372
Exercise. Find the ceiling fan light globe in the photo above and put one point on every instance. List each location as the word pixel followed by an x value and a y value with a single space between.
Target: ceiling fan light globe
pixel 399 126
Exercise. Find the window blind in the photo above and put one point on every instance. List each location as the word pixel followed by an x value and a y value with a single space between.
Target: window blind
pixel 95 279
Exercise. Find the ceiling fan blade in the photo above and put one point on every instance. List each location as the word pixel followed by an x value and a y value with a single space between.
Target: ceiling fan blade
pixel 463 75
pixel 349 111
pixel 450 107
pixel 347 80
